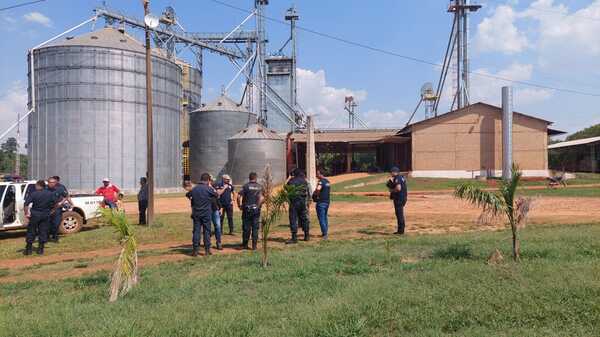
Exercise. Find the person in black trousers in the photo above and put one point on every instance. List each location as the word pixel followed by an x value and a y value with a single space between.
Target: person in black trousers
pixel 142 198
pixel 38 206
pixel 399 194
pixel 298 206
pixel 226 190
pixel 202 196
pixel 249 200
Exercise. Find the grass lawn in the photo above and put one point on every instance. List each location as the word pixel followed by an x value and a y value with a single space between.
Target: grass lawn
pixel 582 192
pixel 414 286
pixel 376 183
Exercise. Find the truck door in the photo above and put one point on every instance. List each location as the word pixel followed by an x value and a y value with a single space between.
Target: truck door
pixel 9 205
pixel 2 192
pixel 26 189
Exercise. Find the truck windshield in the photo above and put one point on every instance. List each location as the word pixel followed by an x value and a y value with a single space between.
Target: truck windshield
pixel 2 189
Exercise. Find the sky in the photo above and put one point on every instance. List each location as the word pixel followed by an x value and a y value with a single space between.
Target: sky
pixel 554 44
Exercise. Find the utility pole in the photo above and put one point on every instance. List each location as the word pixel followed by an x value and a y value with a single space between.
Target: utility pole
pixel 149 124
pixel 350 107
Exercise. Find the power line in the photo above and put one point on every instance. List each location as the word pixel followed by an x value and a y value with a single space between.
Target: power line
pixel 414 59
pixel 21 5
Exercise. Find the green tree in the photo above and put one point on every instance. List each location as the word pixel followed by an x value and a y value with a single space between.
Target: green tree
pixel 10 146
pixel 504 201
pixel 592 131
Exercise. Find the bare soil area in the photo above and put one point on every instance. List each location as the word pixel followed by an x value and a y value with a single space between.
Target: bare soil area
pixel 425 214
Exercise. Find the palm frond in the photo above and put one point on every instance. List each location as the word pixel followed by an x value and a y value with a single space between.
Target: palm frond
pixel 125 275
pixel 490 202
pixel 522 207
pixel 273 206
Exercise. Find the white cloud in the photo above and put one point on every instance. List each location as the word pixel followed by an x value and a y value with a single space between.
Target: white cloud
pixel 327 103
pixel 486 86
pixel 488 89
pixel 13 100
pixel 566 41
pixel 498 33
pixel 38 17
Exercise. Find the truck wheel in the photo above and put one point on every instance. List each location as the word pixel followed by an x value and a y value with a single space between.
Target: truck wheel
pixel 70 223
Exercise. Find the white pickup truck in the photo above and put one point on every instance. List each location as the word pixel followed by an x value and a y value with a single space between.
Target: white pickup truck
pixel 12 211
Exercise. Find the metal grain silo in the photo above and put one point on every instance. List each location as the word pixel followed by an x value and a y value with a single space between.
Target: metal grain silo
pixel 90 114
pixel 210 127
pixel 252 149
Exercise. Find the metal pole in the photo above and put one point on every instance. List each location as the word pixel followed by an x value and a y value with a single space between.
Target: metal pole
pixel 507 128
pixel 262 66
pixel 465 69
pixel 17 156
pixel 149 124
pixel 458 46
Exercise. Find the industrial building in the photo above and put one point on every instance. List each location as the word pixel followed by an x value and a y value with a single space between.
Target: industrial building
pixel 580 155
pixel 464 143
pixel 90 111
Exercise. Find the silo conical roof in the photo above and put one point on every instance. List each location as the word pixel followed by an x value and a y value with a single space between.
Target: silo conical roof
pixel 222 103
pixel 257 131
pixel 108 37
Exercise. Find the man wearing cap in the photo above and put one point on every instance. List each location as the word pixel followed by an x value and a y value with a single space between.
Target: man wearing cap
pixel 226 199
pixel 398 193
pixel 37 208
pixel 109 192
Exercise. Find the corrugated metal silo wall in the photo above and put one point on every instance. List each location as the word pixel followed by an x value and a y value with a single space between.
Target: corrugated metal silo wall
pixel 253 155
pixel 209 131
pixel 90 118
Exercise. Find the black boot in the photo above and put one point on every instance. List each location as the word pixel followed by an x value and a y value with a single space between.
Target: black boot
pixel 28 249
pixel 219 246
pixel 293 240
pixel 40 250
pixel 253 245
pixel 207 252
pixel 306 236
pixel 195 251
pixel 54 238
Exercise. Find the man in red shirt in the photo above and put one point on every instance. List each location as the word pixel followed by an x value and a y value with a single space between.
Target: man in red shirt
pixel 109 192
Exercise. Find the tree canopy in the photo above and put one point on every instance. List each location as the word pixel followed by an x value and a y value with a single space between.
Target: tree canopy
pixel 592 131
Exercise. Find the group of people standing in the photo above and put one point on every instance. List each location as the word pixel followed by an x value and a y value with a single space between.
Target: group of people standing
pixel 211 202
pixel 43 208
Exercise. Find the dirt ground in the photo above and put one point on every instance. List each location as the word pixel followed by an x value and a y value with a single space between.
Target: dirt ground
pixel 425 214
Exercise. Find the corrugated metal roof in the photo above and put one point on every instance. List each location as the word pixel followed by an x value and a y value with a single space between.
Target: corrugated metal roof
pixel 347 136
pixel 576 142
pixel 222 103
pixel 256 131
pixel 107 37
pixel 408 127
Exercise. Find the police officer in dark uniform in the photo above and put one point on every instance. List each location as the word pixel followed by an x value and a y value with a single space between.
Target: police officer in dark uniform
pixel 249 201
pixel 226 199
pixel 201 197
pixel 63 199
pixel 399 194
pixel 298 206
pixel 38 206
